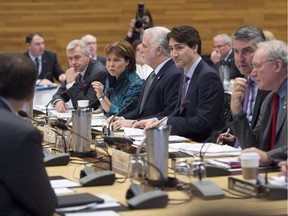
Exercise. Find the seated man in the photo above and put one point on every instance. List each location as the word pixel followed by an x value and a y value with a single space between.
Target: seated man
pixel 24 185
pixel 269 137
pixel 159 93
pixel 201 86
pixel 82 72
pixel 46 63
pixel 223 54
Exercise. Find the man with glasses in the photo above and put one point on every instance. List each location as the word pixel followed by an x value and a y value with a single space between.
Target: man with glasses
pixel 82 72
pixel 269 137
pixel 244 43
pixel 222 54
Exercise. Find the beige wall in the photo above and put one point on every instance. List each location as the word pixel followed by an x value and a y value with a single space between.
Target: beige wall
pixel 61 21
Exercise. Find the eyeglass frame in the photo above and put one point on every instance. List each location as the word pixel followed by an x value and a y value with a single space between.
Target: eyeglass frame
pixel 219 46
pixel 257 66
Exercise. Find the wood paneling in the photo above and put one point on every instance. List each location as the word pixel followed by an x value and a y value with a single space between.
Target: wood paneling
pixel 61 21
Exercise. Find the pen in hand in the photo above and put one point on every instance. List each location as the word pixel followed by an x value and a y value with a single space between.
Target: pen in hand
pixel 225 135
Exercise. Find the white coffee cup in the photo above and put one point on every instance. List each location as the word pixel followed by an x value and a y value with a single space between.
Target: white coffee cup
pixel 249 165
pixel 82 104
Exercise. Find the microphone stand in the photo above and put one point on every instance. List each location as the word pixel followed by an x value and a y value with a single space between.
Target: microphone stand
pixel 110 131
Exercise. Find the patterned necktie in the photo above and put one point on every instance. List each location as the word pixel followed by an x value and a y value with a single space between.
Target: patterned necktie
pixel 37 65
pixel 184 87
pixel 274 120
pixel 149 81
pixel 247 94
pixel 79 78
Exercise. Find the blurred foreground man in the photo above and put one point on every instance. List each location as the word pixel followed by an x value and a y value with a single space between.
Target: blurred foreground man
pixel 24 184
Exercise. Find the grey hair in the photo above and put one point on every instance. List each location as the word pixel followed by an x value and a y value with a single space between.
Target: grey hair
pixel 248 33
pixel 84 38
pixel 226 38
pixel 276 50
pixel 73 44
pixel 159 38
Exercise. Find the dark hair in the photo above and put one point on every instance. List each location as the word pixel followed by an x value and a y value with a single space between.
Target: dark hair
pixel 186 34
pixel 147 13
pixel 249 32
pixel 29 36
pixel 123 49
pixel 135 44
pixel 17 76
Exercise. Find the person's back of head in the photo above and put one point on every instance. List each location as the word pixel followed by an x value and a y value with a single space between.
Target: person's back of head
pixel 187 35
pixel 269 35
pixel 17 76
pixel 159 38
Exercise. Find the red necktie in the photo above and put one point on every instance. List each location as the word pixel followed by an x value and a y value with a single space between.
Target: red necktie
pixel 274 119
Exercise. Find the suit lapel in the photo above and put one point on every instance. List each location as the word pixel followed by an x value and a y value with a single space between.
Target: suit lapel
pixel 282 116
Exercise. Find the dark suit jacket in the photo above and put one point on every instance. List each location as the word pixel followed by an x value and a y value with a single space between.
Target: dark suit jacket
pixel 101 59
pixel 50 66
pixel 260 136
pixel 24 184
pixel 204 113
pixel 162 95
pixel 83 90
pixel 234 72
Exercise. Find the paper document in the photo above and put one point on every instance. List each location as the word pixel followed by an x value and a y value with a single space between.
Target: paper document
pixel 208 150
pixel 63 183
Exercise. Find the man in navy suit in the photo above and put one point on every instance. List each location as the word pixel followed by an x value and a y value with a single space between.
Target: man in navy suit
pixel 160 97
pixel 79 77
pixel 201 86
pixel 24 184
pixel 46 63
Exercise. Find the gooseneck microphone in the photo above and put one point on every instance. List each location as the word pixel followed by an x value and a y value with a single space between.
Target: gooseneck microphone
pixel 23 114
pixel 133 100
pixel 109 91
pixel 60 159
pixel 64 127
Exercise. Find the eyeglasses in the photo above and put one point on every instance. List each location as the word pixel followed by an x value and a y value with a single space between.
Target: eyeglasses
pixel 257 66
pixel 219 46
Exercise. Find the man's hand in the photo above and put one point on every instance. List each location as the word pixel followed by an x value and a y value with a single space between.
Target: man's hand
pixel 44 82
pixel 71 75
pixel 143 123
pixel 62 78
pixel 122 123
pixel 226 139
pixel 215 56
pixel 238 93
pixel 264 158
pixel 61 106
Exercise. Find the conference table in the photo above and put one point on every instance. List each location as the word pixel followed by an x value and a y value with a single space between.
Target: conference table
pixel 178 204
pixel 196 206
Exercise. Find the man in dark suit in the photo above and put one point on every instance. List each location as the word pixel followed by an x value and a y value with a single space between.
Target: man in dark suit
pixel 82 72
pixel 91 42
pixel 269 137
pixel 24 184
pixel 46 63
pixel 200 85
pixel 243 39
pixel 223 54
pixel 160 96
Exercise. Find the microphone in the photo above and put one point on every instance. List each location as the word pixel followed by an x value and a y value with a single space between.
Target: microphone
pixel 133 100
pixel 64 127
pixel 182 106
pixel 48 76
pixel 109 91
pixel 208 189
pixel 23 114
pixel 51 159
